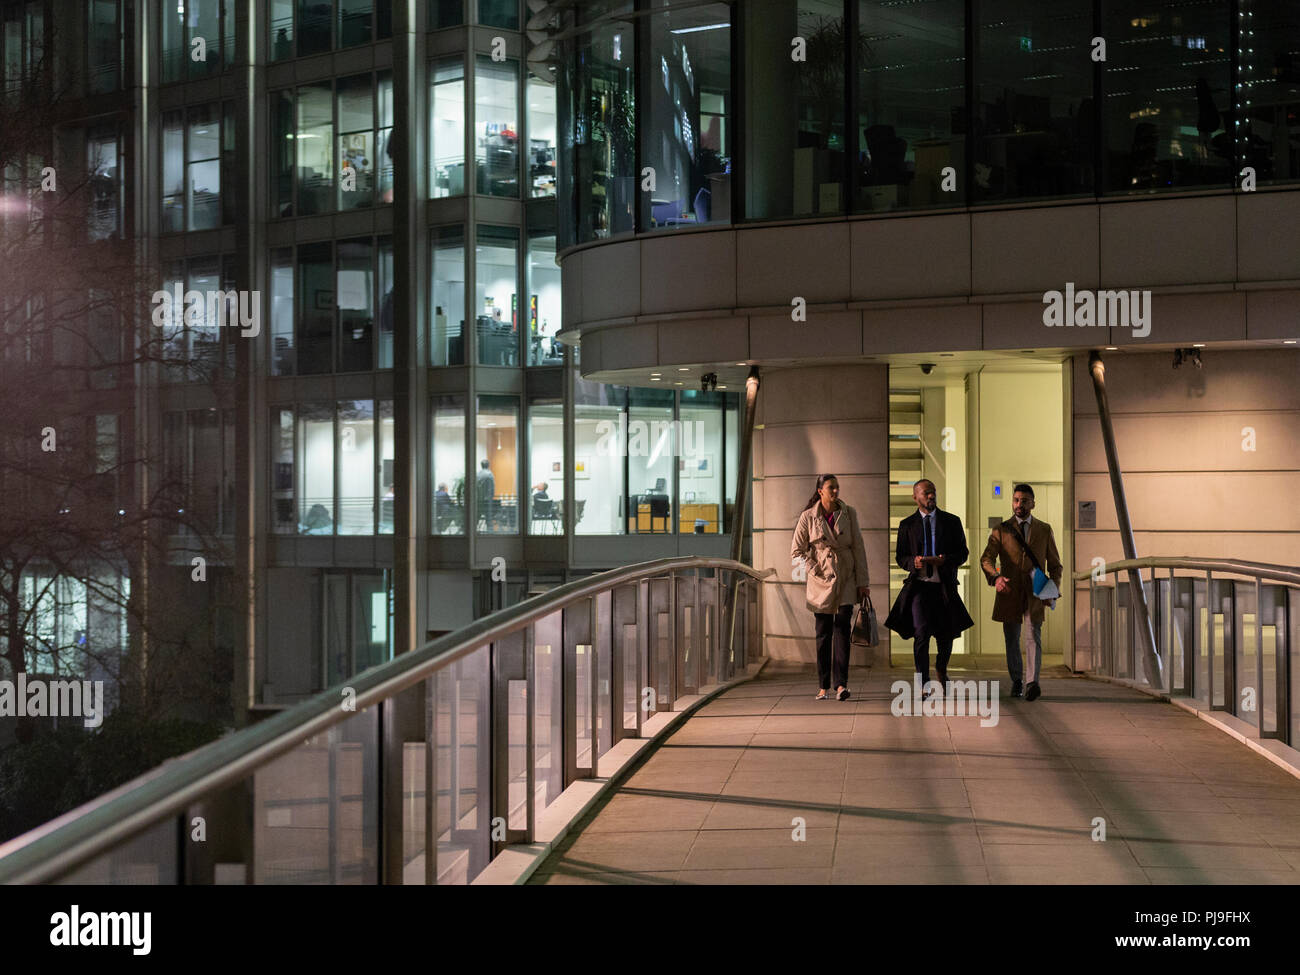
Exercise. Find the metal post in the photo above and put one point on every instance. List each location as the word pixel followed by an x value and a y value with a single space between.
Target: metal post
pixel 742 501
pixel 1259 655
pixel 1155 673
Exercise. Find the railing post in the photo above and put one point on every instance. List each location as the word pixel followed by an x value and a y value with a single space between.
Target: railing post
pixel 643 650
pixel 1259 656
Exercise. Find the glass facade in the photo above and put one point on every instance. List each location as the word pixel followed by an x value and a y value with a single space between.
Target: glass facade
pixel 496 477
pixel 447 127
pixel 543 309
pixel 496 293
pixel 302 27
pixel 447 460
pixel 545 466
pixel 862 106
pixel 447 341
pixel 496 126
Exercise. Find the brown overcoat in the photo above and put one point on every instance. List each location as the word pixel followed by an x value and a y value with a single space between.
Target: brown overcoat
pixel 1018 569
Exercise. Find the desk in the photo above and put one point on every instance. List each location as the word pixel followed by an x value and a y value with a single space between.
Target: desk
pixel 689 514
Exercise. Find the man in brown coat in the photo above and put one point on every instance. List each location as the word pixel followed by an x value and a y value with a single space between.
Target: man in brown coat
pixel 1015 603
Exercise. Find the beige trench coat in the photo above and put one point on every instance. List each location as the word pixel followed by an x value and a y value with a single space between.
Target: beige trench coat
pixel 836 559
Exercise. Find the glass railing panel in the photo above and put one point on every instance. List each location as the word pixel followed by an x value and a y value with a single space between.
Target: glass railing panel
pixel 548 711
pixel 603 661
pixel 1221 642
pixel 1293 663
pixel 1123 628
pixel 1272 643
pixel 708 628
pixel 462 766
pixel 624 635
pixel 417 771
pixel 578 644
pixel 315 808
pixel 149 858
pixel 688 658
pixel 1245 702
pixel 662 640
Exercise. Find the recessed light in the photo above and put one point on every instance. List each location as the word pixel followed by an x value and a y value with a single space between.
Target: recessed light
pixel 1112 348
pixel 742 363
pixel 1288 341
pixel 655 379
pixel 678 383
pixel 1198 345
pixel 720 386
pixel 683 368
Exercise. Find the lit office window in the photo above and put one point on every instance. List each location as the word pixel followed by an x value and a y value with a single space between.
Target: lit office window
pixel 355 298
pixel 447 341
pixel 386 432
pixel 103 45
pixel 282 361
pixel 174 52
pixel 283 152
pixel 386 309
pixel 911 85
pixel 446 13
pixel 203 20
pixel 797 162
pixel 699 460
pixel 545 467
pixel 499 13
pixel 496 292
pixel 495 474
pixel 686 96
pixel 496 126
pixel 384 137
pixel 541 137
pixel 597 129
pixel 284 519
pixel 354 21
pixel 314 466
pixel 543 311
pixel 447 128
pixel 1034 100
pixel 204 334
pixel 104 171
pixel 356 462
pixel 447 456
pixel 1168 97
pixel 653 450
pixel 314 143
pixel 315 295
pixel 598 448
pixel 357 161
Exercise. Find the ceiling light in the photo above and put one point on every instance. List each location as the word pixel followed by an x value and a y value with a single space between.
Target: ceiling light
pixel 695 30
pixel 1198 345
pixel 683 368
pixel 1112 348
pixel 1288 341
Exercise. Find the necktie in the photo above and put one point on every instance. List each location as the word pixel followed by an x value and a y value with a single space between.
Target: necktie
pixel 1024 527
pixel 929 541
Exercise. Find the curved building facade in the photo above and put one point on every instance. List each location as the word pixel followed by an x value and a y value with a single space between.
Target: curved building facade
pixel 918 220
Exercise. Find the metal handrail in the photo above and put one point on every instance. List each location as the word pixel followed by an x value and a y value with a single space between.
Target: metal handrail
pixel 1257 570
pixel 72 839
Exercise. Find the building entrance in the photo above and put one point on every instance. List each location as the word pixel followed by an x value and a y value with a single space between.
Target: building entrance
pixel 977 425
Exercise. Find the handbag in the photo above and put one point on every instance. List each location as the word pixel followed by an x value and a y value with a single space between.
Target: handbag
pixel 866 632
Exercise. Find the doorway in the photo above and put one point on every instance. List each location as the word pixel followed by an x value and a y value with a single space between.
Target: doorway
pixel 977 425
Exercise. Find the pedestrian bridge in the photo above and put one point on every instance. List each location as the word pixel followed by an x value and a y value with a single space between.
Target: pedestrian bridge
pixel 627 728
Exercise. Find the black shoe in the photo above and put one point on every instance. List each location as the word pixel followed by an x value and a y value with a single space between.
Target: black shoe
pixel 1032 691
pixel 843 694
pixel 1016 688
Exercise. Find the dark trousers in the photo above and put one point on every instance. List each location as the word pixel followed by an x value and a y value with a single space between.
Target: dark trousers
pixel 833 629
pixel 929 618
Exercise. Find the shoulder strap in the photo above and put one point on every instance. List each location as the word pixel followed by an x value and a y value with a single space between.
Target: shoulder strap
pixel 1015 530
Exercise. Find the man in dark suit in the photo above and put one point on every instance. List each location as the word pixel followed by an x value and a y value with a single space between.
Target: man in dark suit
pixel 931 547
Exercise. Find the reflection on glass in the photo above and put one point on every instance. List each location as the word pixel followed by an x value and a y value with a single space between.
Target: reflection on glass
pixel 546 467
pixel 314 142
pixel 203 168
pixel 541 137
pixel 911 100
pixel 495 476
pixel 446 13
pixel 499 13
pixel 496 126
pixel 463 767
pixel 598 131
pixel 447 455
pixel 1268 102
pixel 315 308
pixel 598 449
pixel 447 128
pixel 1034 107
pixel 315 469
pixel 313 26
pixel 284 518
pixel 653 448
pixel 281 24
pixel 543 300
pixel 797 164
pixel 387 480
pixel 700 456
pixel 354 21
pixel 385 303
pixel 548 712
pixel 686 101
pixel 203 19
pixel 282 362
pixel 1167 79
pixel 284 153
pixel 356 120
pixel 447 341
pixel 173 172
pixel 356 457
pixel 497 295
pixel 355 299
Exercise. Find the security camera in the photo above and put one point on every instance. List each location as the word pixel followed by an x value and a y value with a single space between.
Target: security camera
pixel 708 381
pixel 927 367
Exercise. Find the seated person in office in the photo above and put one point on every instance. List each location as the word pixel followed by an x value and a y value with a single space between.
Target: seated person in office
pixel 539 492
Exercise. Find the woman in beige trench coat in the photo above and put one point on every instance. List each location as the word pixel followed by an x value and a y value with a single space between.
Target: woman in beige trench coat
pixel 828 541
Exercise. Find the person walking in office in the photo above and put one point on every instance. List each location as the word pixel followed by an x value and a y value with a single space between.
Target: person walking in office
pixel 931 547
pixel 828 541
pixel 487 491
pixel 1022 543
